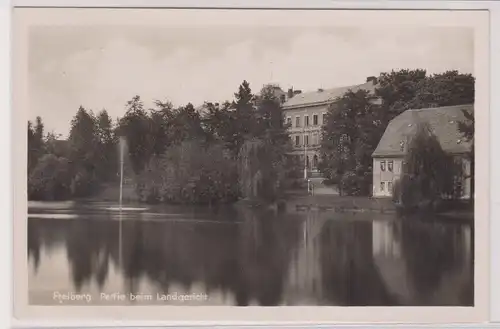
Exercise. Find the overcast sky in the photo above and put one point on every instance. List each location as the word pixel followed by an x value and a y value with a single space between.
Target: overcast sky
pixel 104 67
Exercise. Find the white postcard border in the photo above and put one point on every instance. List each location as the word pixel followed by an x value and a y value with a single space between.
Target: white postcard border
pixel 271 315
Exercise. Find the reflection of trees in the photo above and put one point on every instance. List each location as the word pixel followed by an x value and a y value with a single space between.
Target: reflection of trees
pixel 88 244
pixel 244 253
pixel 248 258
pixel 248 253
pixel 348 271
pixel 46 234
pixel 435 255
pixel 34 243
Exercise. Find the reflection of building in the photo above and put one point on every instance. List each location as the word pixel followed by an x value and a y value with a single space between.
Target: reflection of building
pixel 389 154
pixel 305 113
pixel 304 282
pixel 435 273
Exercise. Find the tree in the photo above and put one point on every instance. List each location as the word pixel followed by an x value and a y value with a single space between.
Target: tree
pixel 161 118
pixel 444 89
pixel 190 172
pixel 426 171
pixel 466 128
pixel 135 127
pixel 185 124
pixel 351 133
pixel 31 147
pixel 36 145
pixel 397 89
pixel 107 144
pixel 84 152
pixel 50 179
pixel 243 119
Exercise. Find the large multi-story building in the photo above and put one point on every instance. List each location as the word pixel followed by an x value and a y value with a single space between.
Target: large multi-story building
pixel 305 113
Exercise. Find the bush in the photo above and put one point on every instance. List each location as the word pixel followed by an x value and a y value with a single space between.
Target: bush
pixel 189 173
pixel 83 183
pixel 50 179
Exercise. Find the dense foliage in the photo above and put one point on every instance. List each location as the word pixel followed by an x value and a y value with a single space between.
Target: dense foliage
pixel 173 155
pixel 190 173
pixel 351 133
pixel 428 172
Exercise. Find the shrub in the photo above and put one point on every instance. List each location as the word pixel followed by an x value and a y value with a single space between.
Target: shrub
pixel 50 179
pixel 189 173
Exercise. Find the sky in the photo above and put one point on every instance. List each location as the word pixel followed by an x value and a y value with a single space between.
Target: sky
pixel 102 67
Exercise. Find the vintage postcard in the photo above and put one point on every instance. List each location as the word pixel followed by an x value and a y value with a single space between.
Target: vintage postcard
pixel 239 166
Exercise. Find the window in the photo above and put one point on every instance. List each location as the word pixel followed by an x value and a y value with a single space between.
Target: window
pixel 289 121
pixel 382 186
pixel 283 98
pixel 324 118
pixel 297 140
pixel 382 165
pixel 297 121
pixel 315 120
pixel 390 166
pixel 389 186
pixel 306 121
pixel 315 139
pixel 306 139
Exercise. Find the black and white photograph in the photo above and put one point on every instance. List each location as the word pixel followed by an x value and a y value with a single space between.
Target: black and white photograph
pixel 250 165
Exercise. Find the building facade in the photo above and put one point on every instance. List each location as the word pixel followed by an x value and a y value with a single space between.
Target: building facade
pixel 305 114
pixel 393 146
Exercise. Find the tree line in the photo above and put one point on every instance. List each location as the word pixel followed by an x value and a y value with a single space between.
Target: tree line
pixel 236 150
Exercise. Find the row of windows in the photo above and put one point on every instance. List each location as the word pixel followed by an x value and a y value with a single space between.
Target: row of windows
pixel 306 139
pixel 307 123
pixel 383 186
pixel 390 166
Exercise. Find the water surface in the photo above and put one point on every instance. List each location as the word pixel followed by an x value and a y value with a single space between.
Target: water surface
pixel 244 257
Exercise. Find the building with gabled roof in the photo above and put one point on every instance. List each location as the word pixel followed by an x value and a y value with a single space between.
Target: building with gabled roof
pixel 393 146
pixel 305 114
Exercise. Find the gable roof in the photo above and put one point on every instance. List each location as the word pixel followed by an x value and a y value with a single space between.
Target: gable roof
pixel 443 122
pixel 324 96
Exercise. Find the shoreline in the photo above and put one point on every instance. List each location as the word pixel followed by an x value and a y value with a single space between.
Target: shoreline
pixel 296 203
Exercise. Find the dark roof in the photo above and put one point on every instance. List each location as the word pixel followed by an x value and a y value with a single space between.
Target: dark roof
pixel 325 95
pixel 441 120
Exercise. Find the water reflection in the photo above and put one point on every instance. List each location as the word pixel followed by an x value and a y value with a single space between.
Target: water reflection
pixel 247 257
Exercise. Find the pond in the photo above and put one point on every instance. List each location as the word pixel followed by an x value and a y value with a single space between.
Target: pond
pixel 92 254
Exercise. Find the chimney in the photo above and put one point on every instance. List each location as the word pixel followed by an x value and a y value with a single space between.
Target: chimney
pixel 372 79
pixel 290 93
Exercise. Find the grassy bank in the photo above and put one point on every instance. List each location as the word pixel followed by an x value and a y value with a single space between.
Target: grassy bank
pixel 300 201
